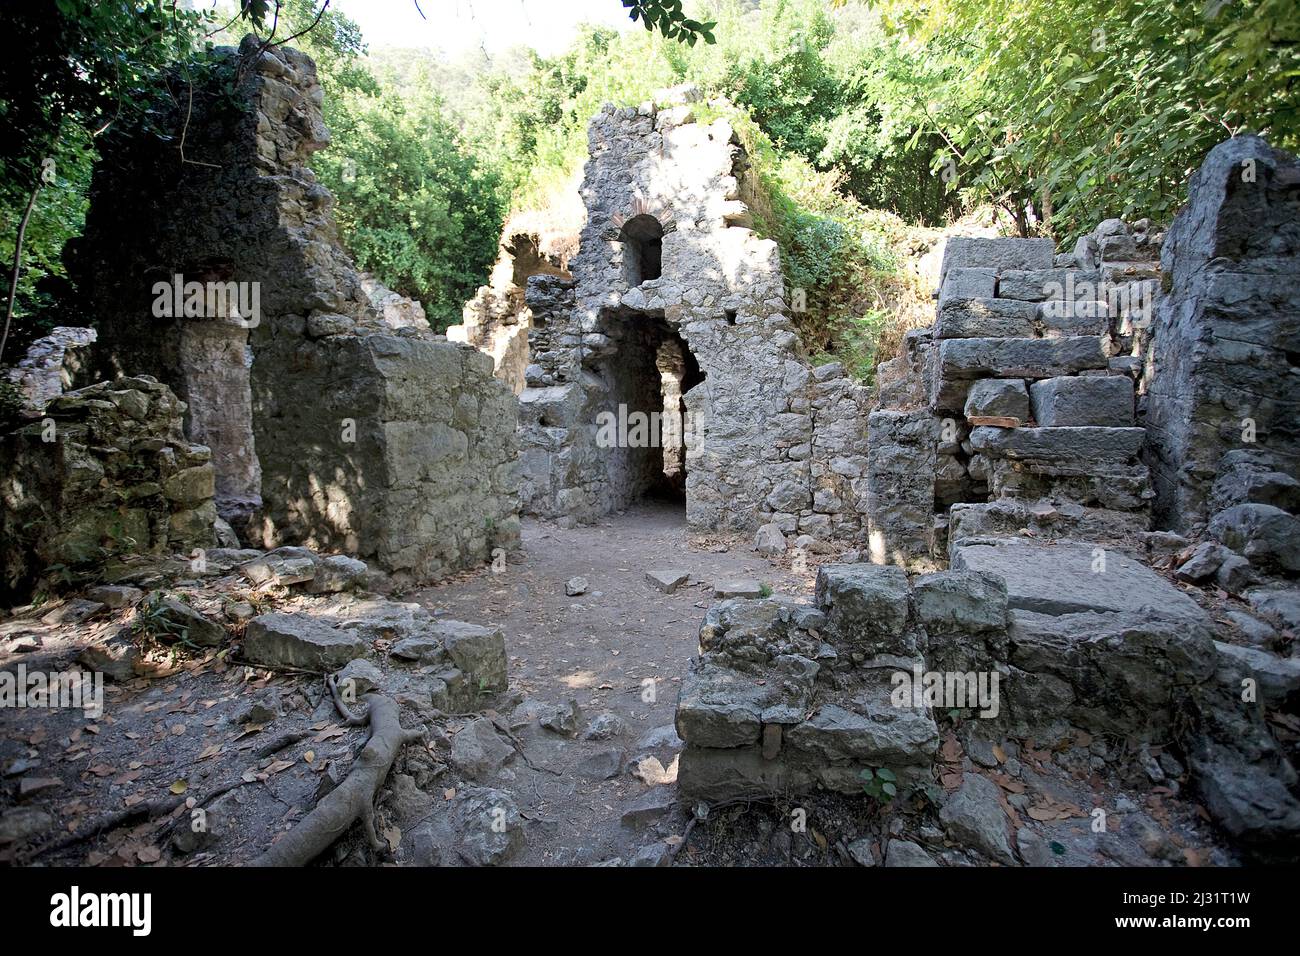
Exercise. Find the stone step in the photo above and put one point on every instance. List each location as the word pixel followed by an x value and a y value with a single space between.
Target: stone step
pixel 984 318
pixel 1062 578
pixel 962 361
pixel 1097 446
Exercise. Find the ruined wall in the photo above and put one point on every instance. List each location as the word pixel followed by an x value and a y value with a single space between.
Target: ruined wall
pixel 1018 408
pixel 1226 348
pixel 334 416
pixel 106 471
pixel 497 320
pixel 663 193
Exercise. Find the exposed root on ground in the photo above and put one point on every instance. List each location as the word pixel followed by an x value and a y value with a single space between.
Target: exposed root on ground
pixel 354 798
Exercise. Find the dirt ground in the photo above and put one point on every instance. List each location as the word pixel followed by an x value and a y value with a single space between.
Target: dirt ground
pixel 601 649
pixel 200 731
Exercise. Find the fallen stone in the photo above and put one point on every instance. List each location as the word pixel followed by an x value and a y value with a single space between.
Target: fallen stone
pixel 769 540
pixel 906 853
pixel 337 573
pixel 116 658
pixel 656 854
pixel 973 816
pixel 187 624
pixel 1264 534
pixel 604 726
pixel 602 765
pixel 575 586
pixel 1204 562
pixel 115 596
pixel 667 581
pixel 265 708
pixel 29 787
pixel 361 676
pixel 478 750
pixel 649 808
pixel 664 737
pixel 860 852
pixel 479 653
pixel 491 828
pixel 566 719
pixel 424 649
pixel 20 824
pixel 737 589
pixel 292 640
pixel 1278 678
pixel 72 611
pixel 1280 605
pixel 283 567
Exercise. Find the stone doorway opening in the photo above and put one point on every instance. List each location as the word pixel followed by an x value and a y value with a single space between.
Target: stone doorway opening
pixel 643 425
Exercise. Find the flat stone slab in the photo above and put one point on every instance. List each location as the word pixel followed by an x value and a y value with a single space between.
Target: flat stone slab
pixel 1060 579
pixel 667 580
pixel 1105 400
pixel 1088 444
pixel 985 318
pixel 293 640
pixel 737 589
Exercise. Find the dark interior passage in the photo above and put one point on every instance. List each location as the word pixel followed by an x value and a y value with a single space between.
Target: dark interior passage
pixel 644 438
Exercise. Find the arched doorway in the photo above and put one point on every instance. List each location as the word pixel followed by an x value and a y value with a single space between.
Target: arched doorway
pixel 642 238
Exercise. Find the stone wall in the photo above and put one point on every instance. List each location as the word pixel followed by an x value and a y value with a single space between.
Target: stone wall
pixel 497 320
pixel 334 416
pixel 106 471
pixel 1226 351
pixel 1021 399
pixel 667 261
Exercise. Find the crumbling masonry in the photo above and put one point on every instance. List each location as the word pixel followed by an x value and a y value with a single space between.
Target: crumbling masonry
pixel 335 418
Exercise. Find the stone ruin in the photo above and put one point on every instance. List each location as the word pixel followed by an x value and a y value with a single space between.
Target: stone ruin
pixel 1014 444
pixel 672 307
pixel 335 418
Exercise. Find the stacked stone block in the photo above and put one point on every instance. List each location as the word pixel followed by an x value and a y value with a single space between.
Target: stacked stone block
pixel 107 471
pixel 335 417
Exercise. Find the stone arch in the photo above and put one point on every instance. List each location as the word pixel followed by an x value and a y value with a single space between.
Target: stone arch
pixel 642 238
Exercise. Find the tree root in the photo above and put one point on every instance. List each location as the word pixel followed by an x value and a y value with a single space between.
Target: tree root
pixel 148 809
pixel 354 798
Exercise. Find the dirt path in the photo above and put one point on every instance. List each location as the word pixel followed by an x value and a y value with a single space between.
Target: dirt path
pixel 604 649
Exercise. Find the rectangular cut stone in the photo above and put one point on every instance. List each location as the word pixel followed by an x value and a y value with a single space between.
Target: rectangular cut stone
pixel 1092 400
pixel 1086 444
pixel 961 361
pixel 964 252
pixel 968 284
pixel 1041 285
pixel 998 397
pixel 1072 318
pixel 984 318
pixel 1069 579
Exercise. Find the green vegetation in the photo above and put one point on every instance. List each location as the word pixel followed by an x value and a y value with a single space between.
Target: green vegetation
pixel 871 124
